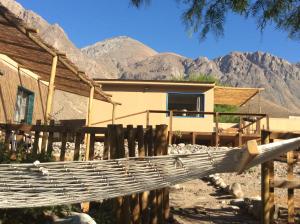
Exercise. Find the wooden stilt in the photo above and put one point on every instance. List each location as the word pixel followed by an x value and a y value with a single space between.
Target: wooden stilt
pixel 49 102
pixel 88 144
pixel 89 122
pixel 171 127
pixel 113 120
pixel 290 176
pixel 265 183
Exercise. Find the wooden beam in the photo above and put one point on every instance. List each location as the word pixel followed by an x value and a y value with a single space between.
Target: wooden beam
pixel 286 184
pixel 250 152
pixel 51 89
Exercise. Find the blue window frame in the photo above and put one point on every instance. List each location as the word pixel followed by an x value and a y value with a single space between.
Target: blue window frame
pixel 186 102
pixel 24 106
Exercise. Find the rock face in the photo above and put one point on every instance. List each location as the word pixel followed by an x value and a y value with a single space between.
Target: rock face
pixel 126 58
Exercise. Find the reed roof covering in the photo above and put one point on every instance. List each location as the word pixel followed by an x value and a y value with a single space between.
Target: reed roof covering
pixel 234 96
pixel 26 47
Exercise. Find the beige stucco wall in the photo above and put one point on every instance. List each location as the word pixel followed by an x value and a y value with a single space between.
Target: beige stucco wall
pixel 133 102
pixel 283 124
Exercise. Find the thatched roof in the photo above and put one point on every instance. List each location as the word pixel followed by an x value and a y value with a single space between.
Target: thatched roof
pixel 26 47
pixel 234 95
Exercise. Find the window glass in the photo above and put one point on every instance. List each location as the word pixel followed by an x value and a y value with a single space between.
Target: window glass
pixel 186 102
pixel 24 106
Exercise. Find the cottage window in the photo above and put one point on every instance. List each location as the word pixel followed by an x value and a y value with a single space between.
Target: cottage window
pixel 24 106
pixel 186 102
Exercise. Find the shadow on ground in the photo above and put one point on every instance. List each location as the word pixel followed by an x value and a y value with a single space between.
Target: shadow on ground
pixel 218 215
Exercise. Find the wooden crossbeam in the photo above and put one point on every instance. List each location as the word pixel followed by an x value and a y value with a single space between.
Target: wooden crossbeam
pixel 286 184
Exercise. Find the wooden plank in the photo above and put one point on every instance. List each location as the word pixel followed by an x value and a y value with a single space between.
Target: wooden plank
pixel 63 146
pixel 50 140
pixel 78 137
pixel 290 177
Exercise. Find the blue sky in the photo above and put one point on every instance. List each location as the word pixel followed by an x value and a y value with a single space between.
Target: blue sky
pixel 158 26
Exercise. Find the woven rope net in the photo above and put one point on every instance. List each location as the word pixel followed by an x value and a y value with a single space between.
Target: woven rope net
pixel 57 183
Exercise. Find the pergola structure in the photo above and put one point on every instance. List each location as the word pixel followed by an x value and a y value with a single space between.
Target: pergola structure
pixel 24 45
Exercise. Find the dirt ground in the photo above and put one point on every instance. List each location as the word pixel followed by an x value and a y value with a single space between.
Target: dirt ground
pixel 198 201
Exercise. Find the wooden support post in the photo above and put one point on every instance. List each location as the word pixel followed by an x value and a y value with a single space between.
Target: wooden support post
pixel 266 193
pixel 217 129
pixel 92 146
pixel 77 146
pixel 117 148
pixel 51 89
pixel 145 196
pixel 113 119
pixel 134 198
pixel 290 176
pixel 160 144
pixel 50 140
pixel 194 138
pixel 152 197
pixel 171 127
pixel 89 122
pixel 147 117
pixel 258 126
pixel 35 147
pixel 166 190
pixel 268 122
pixel 107 140
pixel 240 138
pixel 7 140
pixel 63 146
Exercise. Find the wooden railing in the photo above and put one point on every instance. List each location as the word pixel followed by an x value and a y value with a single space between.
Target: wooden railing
pixel 242 127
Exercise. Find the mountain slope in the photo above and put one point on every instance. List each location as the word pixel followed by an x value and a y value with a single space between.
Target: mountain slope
pixel 126 58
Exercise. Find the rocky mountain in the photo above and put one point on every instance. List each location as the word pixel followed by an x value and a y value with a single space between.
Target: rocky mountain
pixel 126 58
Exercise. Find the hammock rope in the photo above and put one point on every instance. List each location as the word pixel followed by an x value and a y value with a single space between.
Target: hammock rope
pixel 57 183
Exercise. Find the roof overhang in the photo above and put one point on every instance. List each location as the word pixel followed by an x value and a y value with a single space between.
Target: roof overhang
pixel 235 96
pixel 152 85
pixel 23 45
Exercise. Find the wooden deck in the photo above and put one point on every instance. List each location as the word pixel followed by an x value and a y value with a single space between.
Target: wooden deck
pixel 209 138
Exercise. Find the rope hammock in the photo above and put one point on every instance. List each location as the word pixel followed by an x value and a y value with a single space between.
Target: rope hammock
pixel 57 183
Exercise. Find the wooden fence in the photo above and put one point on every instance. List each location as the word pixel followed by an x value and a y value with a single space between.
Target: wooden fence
pixel 269 182
pixel 146 207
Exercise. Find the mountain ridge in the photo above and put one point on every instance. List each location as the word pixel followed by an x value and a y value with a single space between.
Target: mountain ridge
pixel 126 58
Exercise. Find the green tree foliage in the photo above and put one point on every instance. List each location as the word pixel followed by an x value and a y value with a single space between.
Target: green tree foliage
pixel 204 16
